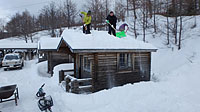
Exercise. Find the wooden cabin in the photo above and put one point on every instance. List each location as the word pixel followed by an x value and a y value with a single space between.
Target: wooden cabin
pixel 106 61
pixel 48 51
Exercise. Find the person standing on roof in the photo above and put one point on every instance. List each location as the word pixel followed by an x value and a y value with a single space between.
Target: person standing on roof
pixel 111 20
pixel 86 22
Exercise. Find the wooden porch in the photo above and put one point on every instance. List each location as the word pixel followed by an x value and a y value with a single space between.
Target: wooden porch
pixel 74 85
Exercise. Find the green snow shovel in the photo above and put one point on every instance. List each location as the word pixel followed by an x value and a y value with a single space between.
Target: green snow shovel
pixel 118 34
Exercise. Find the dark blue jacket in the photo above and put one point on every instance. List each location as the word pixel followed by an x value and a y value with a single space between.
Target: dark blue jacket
pixel 112 19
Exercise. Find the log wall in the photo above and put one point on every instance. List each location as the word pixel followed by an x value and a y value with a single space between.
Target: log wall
pixel 56 58
pixel 105 72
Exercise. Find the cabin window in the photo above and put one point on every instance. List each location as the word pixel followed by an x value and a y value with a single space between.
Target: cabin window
pixel 125 61
pixel 86 65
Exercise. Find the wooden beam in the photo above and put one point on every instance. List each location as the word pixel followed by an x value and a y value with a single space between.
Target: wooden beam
pixel 75 65
pixel 112 50
pixel 95 72
pixel 149 66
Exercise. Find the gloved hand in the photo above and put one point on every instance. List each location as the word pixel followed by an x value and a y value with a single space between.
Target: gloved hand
pixel 107 21
pixel 84 25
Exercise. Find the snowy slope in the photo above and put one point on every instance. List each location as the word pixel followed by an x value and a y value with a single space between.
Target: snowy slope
pixel 21 40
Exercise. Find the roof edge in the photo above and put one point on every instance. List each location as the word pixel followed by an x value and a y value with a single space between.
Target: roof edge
pixel 112 50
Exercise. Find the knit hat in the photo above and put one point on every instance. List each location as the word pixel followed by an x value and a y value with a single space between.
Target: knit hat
pixel 89 12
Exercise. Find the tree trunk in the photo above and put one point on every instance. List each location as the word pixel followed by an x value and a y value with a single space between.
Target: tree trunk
pixel 181 27
pixel 127 8
pixel 167 30
pixel 135 18
pixel 144 25
pixel 150 8
pixel 175 30
pixel 31 35
pixel 68 15
pixel 154 17
pixel 25 37
pixel 167 24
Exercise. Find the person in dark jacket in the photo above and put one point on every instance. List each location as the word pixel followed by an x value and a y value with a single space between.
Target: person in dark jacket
pixel 112 19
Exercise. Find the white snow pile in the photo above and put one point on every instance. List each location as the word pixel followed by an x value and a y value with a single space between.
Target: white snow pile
pixel 67 66
pixel 46 43
pixel 42 68
pixel 19 45
pixel 101 40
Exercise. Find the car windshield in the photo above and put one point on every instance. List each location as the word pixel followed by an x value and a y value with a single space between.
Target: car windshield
pixel 11 57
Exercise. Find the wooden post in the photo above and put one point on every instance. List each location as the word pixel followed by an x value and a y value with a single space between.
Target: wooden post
pixel 61 76
pixel 149 77
pixel 75 64
pixel 95 75
pixel 67 87
pixel 15 98
pixel 75 86
pixel 17 92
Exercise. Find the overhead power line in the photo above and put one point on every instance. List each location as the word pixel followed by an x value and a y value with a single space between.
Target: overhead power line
pixel 28 5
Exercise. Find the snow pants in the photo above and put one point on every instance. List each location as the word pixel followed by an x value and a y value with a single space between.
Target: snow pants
pixel 86 29
pixel 111 30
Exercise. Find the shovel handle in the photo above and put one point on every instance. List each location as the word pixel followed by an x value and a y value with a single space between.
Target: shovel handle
pixel 112 27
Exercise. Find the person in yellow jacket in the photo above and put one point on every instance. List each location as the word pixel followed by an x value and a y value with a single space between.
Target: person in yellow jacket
pixel 86 22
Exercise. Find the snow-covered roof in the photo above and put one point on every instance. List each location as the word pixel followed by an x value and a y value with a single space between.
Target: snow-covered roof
pixel 46 43
pixel 18 45
pixel 100 41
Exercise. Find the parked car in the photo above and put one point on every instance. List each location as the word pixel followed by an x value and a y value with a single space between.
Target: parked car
pixel 13 60
pixel 1 58
pixel 20 52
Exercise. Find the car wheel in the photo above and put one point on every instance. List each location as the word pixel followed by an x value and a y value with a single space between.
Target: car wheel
pixel 5 69
pixel 21 67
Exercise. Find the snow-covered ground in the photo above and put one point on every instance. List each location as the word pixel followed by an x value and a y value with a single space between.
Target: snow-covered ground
pixel 174 86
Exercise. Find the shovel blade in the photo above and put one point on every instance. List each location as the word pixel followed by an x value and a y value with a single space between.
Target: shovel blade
pixel 121 34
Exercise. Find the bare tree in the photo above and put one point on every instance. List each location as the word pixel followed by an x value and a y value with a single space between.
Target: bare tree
pixel 149 7
pixel 70 12
pixel 120 10
pixel 154 16
pixel 175 14
pixel 127 7
pixel 26 25
pixel 167 23
pixel 107 7
pixel 98 11
pixel 144 19
pixel 2 27
pixel 2 24
pixel 133 3
pixel 181 26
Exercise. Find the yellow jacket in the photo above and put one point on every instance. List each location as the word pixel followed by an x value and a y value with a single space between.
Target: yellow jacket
pixel 86 19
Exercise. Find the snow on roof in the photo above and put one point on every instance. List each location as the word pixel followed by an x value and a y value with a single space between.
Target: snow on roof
pixel 46 43
pixel 18 45
pixel 100 40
